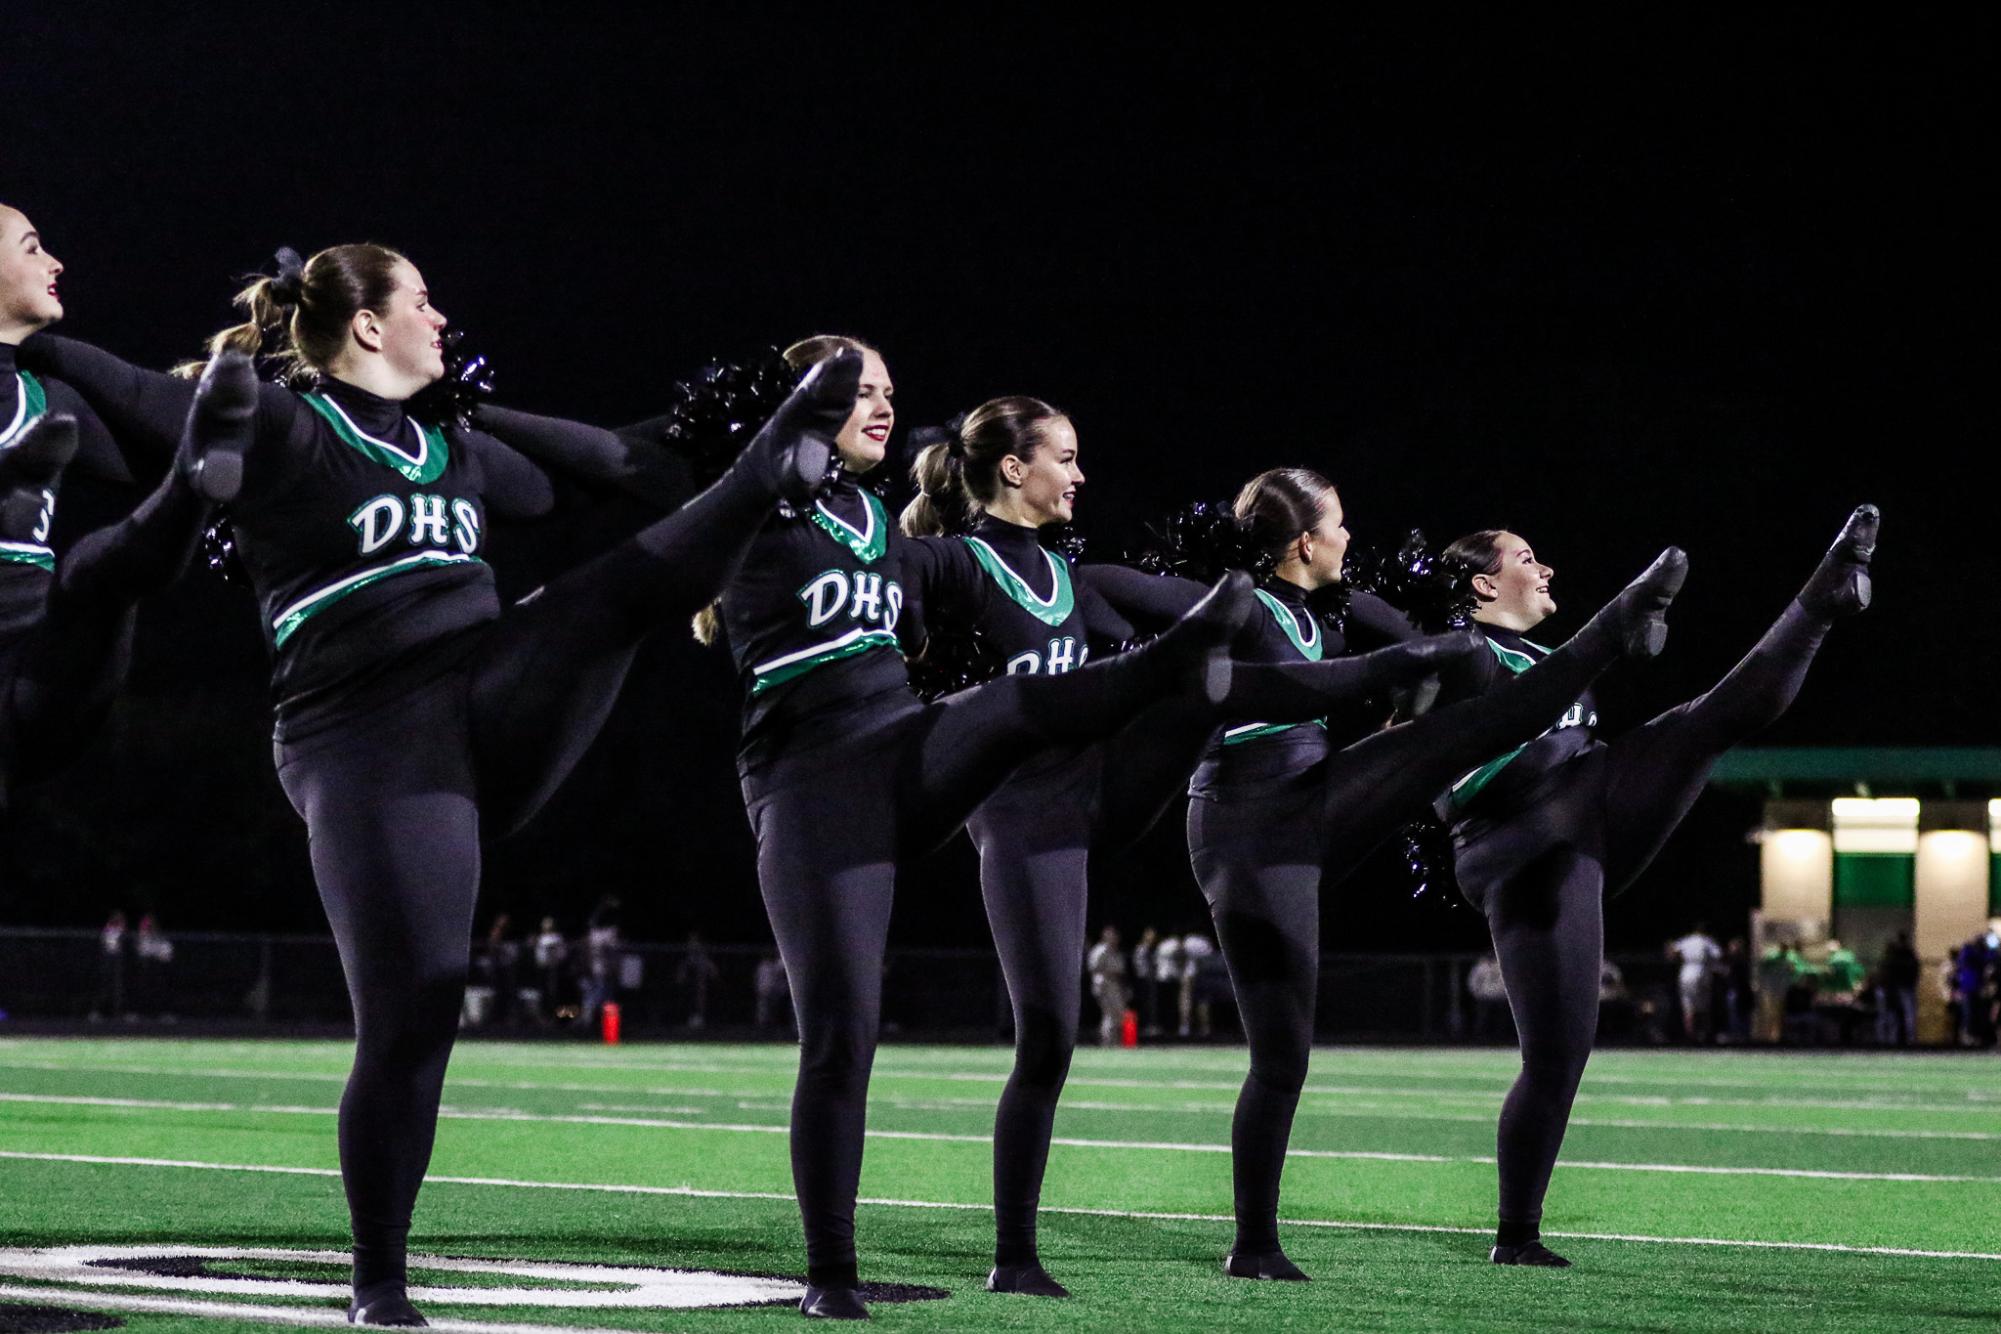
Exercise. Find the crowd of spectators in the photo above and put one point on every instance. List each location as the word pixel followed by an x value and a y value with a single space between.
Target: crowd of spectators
pixel 1168 984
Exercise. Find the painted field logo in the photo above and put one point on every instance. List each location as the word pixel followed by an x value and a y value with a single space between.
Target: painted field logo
pixel 223 1282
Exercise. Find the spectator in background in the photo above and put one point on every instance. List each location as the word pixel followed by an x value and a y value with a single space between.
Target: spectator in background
pixel 551 953
pixel 1897 993
pixel 1203 977
pixel 1698 953
pixel 1168 967
pixel 1106 965
pixel 1970 987
pixel 1739 997
pixel 774 992
pixel 1211 985
pixel 1147 982
pixel 153 954
pixel 601 951
pixel 1615 1003
pixel 1491 1020
pixel 1775 977
pixel 110 1000
pixel 498 964
pixel 696 971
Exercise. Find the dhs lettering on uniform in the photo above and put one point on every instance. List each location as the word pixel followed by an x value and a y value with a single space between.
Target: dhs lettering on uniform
pixel 861 595
pixel 424 521
pixel 1062 655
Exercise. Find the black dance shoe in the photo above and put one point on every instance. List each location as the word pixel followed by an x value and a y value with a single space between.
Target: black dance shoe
pixel 1840 587
pixel 1269 1265
pixel 794 454
pixel 219 428
pixel 833 1304
pixel 1201 638
pixel 29 467
pixel 392 1309
pixel 1528 1253
pixel 1030 1279
pixel 1642 605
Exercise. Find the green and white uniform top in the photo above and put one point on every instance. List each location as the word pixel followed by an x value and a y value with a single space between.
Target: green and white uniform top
pixel 1504 782
pixel 812 617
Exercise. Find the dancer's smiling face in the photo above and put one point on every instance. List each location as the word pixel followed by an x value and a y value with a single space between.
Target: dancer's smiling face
pixel 1045 483
pixel 864 441
pixel 1516 593
pixel 410 331
pixel 28 273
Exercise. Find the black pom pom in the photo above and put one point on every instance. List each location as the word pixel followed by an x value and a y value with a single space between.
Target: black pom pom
pixel 714 413
pixel 1200 541
pixel 218 549
pixel 954 659
pixel 1427 854
pixel 1064 540
pixel 455 396
pixel 1416 579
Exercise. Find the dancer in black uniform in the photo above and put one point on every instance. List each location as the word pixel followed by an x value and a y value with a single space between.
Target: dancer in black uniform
pixel 1281 811
pixel 1544 831
pixel 843 771
pixel 66 625
pixel 1010 469
pixel 412 714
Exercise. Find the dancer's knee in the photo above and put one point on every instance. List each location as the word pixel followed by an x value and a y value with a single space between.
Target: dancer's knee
pixel 1555 1067
pixel 836 1049
pixel 1043 1045
pixel 1279 1059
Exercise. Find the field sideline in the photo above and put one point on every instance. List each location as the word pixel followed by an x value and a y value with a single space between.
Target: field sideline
pixel 1717 1190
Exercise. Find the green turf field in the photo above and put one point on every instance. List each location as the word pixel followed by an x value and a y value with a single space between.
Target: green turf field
pixel 1698 1191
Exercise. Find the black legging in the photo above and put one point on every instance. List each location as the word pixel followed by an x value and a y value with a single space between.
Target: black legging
pixel 396 799
pixel 1541 875
pixel 1263 856
pixel 1035 837
pixel 832 816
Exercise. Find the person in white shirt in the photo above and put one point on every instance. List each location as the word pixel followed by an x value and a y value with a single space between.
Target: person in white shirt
pixel 1698 953
pixel 1106 965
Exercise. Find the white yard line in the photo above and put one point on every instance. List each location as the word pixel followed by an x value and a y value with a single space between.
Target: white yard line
pixel 1977 1104
pixel 449 1113
pixel 691 1192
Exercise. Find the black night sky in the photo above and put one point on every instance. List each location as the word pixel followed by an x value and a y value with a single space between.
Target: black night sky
pixel 1610 286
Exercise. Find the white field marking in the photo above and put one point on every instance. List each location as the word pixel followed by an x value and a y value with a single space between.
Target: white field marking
pixel 945 1137
pixel 1393 1112
pixel 1976 1103
pixel 617 1286
pixel 891 1070
pixel 333 1316
pixel 694 1192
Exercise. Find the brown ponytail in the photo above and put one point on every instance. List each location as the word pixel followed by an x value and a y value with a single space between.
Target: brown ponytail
pixel 959 477
pixel 301 319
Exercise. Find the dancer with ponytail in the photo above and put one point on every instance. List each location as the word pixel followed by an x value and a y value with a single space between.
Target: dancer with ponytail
pixel 1544 831
pixel 1280 812
pixel 415 717
pixel 1010 469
